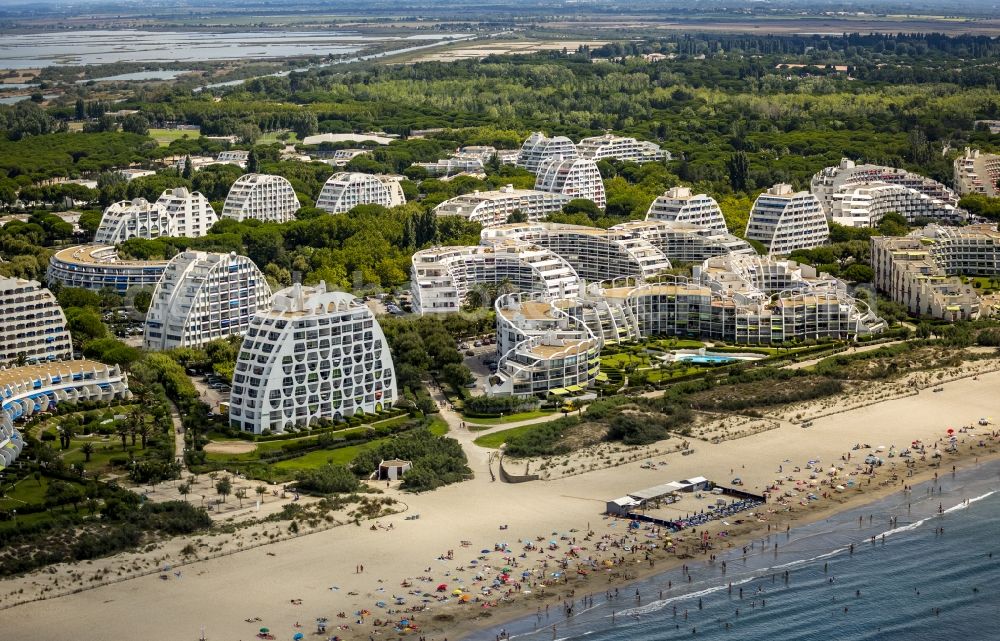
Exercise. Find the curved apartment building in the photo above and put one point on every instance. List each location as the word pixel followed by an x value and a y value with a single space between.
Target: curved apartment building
pixel 492 208
pixel 573 177
pixel 346 190
pixel 443 276
pixel 595 254
pixel 685 242
pixel 137 218
pixel 261 197
pixel 679 205
pixel 97 267
pixel 203 296
pixel 538 148
pixel 785 220
pixel 831 180
pixel 38 388
pixel 977 173
pixel 313 354
pixel 191 214
pixel 34 326
pixel 610 146
pixel 865 205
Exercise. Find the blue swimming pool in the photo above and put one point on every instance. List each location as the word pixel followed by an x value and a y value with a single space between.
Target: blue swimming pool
pixel 705 359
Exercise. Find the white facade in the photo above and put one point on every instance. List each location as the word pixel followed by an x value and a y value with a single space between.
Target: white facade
pixel 314 354
pixel 204 296
pixel 443 276
pixel 785 220
pixel 234 157
pixel 346 190
pixel 451 166
pixel 977 173
pixel 678 204
pixel 39 388
pixel 492 208
pixel 865 205
pixel 191 215
pixel 573 177
pixel 136 218
pixel 831 180
pixel 621 148
pixel 97 267
pixel 685 242
pixel 261 197
pixel 595 254
pixel 538 147
pixel 34 326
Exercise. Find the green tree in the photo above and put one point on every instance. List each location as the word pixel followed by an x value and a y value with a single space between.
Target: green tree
pixel 88 451
pixel 224 487
pixel 738 167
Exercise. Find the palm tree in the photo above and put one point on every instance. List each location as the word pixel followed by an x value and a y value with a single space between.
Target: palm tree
pixel 87 449
pixel 261 491
pixel 144 431
pixel 122 430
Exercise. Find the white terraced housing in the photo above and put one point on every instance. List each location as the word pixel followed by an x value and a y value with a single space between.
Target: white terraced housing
pixel 97 267
pixel 785 220
pixel 346 190
pixel 921 271
pixel 261 197
pixel 621 148
pixel 235 157
pixel 136 218
pixel 865 205
pixel 34 326
pixel 831 180
pixel 678 204
pixel 538 148
pixel 443 276
pixel 314 354
pixel 977 173
pixel 451 166
pixel 595 254
pixel 203 296
pixel 685 242
pixel 492 208
pixel 573 177
pixel 191 214
pixel 38 388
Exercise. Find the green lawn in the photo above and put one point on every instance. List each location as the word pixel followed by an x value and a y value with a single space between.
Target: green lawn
pixel 496 439
pixel 272 137
pixel 313 460
pixel 513 418
pixel 438 427
pixel 166 136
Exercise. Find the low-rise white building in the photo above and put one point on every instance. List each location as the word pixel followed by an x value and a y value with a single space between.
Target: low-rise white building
pixel 785 220
pixel 831 180
pixel 573 177
pixel 492 208
pixel 261 197
pixel 621 148
pixel 678 204
pixel 34 326
pixel 203 296
pixel 233 157
pixel 866 204
pixel 977 173
pixel 97 267
pixel 538 147
pixel 346 190
pixel 685 242
pixel 313 354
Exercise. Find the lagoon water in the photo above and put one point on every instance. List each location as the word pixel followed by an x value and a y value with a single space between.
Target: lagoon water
pixel 918 585
pixel 26 51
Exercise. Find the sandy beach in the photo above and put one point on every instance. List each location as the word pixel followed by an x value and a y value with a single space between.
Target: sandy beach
pixel 298 580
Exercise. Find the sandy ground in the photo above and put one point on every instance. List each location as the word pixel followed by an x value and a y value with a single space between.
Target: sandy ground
pixel 483 49
pixel 231 447
pixel 321 569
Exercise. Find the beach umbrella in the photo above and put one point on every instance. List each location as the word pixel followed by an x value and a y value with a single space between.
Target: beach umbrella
pixel 299 636
pixel 465 598
pixel 442 587
pixel 264 630
pixel 485 551
pixel 456 591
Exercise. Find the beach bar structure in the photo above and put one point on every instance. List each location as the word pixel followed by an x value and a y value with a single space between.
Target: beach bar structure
pixel 393 469
pixel 663 493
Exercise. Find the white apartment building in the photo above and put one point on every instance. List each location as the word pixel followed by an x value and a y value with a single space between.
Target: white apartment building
pixel 261 197
pixel 538 147
pixel 451 166
pixel 203 296
pixel 831 180
pixel 443 276
pixel 136 218
pixel 678 204
pixel 313 354
pixel 685 242
pixel 341 157
pixel 191 214
pixel 492 208
pixel 977 173
pixel 234 157
pixel 573 177
pixel 97 267
pixel 621 148
pixel 785 220
pixel 34 326
pixel 595 254
pixel 39 388
pixel 346 190
pixel 865 205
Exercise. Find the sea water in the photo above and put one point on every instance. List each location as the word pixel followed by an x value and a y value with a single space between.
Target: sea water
pixel 917 583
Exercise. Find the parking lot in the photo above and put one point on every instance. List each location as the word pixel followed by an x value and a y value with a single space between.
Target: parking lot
pixel 481 361
pixel 211 389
